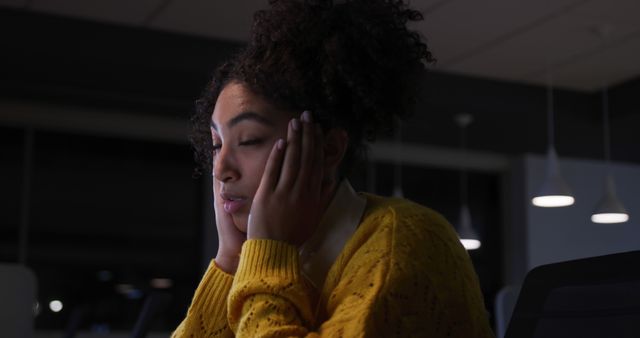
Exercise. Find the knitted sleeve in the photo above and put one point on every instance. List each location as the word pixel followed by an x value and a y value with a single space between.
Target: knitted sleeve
pixel 207 315
pixel 268 297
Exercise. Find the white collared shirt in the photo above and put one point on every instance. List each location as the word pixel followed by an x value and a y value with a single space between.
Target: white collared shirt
pixel 337 225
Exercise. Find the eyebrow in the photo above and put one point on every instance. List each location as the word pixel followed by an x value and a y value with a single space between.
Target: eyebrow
pixel 248 115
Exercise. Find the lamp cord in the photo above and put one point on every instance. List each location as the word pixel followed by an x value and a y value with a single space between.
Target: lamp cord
pixel 25 206
pixel 550 115
pixel 605 127
pixel 463 172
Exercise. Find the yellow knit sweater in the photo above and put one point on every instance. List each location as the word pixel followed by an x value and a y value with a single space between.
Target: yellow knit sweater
pixel 403 273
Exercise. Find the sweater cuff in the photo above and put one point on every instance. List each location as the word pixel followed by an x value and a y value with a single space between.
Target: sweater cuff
pixel 268 258
pixel 211 295
pixel 270 269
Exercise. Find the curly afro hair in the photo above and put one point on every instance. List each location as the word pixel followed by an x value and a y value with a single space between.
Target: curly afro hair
pixel 353 64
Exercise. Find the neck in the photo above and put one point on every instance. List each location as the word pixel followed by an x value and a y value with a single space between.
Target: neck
pixel 329 189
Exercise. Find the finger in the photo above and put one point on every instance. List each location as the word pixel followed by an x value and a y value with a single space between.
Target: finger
pixel 291 164
pixel 306 160
pixel 318 159
pixel 271 173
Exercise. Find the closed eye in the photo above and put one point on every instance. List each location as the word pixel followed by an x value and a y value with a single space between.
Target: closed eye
pixel 251 142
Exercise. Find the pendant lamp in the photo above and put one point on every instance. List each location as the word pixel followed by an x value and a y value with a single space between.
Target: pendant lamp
pixel 554 191
pixel 609 209
pixel 468 236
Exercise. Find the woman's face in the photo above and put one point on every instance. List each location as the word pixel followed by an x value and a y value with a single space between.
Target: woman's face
pixel 244 128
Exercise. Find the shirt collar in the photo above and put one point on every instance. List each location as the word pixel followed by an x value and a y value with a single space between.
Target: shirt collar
pixel 337 225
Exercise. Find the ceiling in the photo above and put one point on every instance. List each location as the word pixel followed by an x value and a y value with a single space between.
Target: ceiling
pixel 578 44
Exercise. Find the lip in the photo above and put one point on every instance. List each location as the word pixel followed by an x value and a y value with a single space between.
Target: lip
pixel 232 203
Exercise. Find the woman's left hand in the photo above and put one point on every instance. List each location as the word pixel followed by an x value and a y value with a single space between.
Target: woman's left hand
pixel 289 201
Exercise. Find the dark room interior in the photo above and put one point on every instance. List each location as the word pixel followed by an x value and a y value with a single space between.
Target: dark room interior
pixel 97 186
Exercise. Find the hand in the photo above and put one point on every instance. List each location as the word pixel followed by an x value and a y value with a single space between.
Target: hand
pixel 230 239
pixel 289 201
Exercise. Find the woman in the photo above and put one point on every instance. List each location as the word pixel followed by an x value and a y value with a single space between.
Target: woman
pixel 300 253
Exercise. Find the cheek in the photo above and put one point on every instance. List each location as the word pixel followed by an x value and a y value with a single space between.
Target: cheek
pixel 252 175
pixel 255 168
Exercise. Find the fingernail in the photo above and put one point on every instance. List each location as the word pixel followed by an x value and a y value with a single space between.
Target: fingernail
pixel 280 144
pixel 306 116
pixel 295 124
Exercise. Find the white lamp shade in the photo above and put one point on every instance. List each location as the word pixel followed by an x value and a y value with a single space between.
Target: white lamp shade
pixel 468 236
pixel 609 209
pixel 554 192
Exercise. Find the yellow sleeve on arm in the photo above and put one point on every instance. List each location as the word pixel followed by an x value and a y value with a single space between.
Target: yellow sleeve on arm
pixel 269 296
pixel 207 315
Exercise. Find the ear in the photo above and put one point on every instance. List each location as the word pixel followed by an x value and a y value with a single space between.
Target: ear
pixel 336 141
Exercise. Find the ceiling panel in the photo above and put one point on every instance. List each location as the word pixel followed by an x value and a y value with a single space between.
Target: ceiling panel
pixel 553 44
pixel 610 11
pixel 115 11
pixel 217 19
pixel 548 47
pixel 514 40
pixel 13 3
pixel 458 29
pixel 615 65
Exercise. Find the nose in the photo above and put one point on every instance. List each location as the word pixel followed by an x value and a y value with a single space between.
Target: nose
pixel 224 166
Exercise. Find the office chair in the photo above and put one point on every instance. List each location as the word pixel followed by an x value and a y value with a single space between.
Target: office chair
pixel 155 303
pixel 585 298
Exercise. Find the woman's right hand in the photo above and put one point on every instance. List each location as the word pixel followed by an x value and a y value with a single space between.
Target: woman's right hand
pixel 230 239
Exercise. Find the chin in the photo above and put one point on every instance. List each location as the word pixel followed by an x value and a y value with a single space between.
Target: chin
pixel 241 222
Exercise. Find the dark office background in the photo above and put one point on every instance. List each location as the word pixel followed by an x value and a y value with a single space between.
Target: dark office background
pixel 106 210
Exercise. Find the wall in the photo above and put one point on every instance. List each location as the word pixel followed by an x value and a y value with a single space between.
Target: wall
pixel 536 236
pixel 568 233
